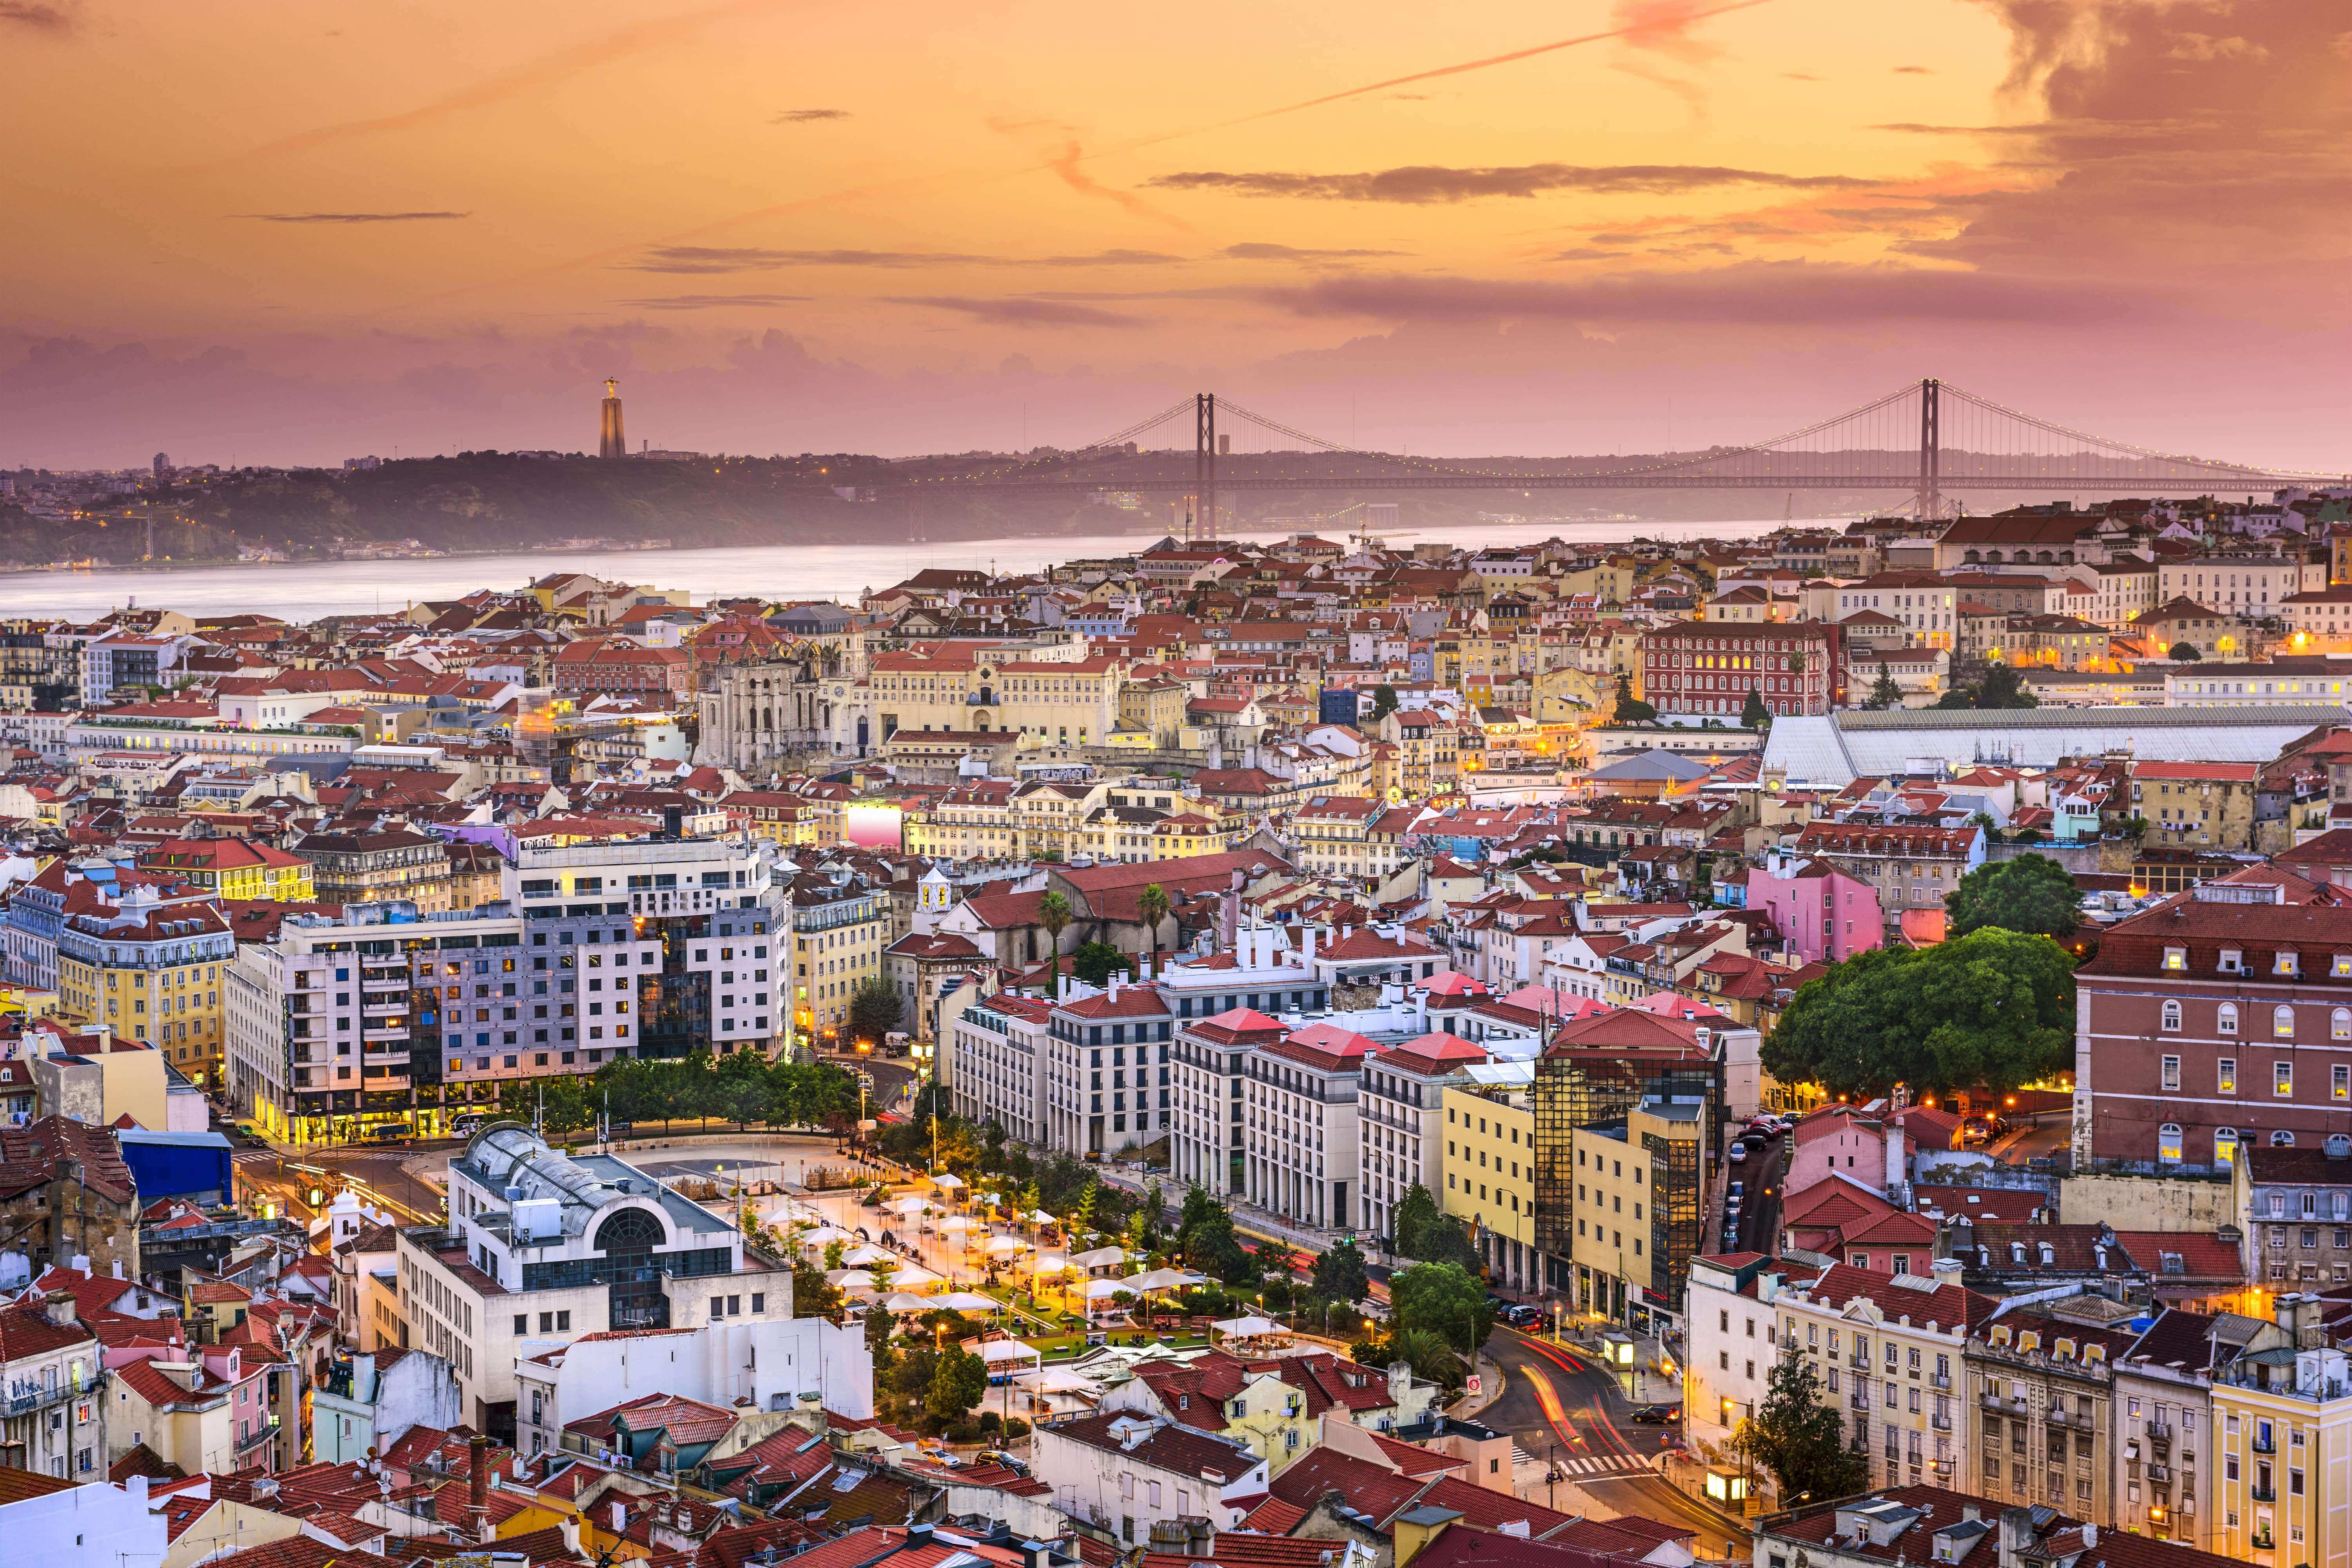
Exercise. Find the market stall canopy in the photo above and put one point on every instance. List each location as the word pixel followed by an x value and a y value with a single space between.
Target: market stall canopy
pixel 1163 1279
pixel 850 1279
pixel 908 1204
pixel 968 1302
pixel 1100 1257
pixel 1249 1328
pixel 947 1181
pixel 900 1302
pixel 1048 1263
pixel 1004 1245
pixel 996 1352
pixel 867 1256
pixel 1097 1289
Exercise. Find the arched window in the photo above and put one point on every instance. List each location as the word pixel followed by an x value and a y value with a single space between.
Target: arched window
pixel 2282 1138
pixel 2167 1143
pixel 2225 1145
pixel 2225 1018
pixel 630 1233
pixel 2283 1021
pixel 2172 1017
pixel 2339 1024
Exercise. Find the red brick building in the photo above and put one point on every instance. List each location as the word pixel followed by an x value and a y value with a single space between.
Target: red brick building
pixel 1708 668
pixel 2221 1017
pixel 622 667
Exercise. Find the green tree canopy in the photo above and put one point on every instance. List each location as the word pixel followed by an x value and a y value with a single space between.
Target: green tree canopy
pixel 2185 652
pixel 1205 1236
pixel 1993 1008
pixel 1630 709
pixel 1884 692
pixel 874 1009
pixel 1753 714
pixel 958 1382
pixel 1799 1439
pixel 1053 913
pixel 1385 701
pixel 1097 962
pixel 1424 1232
pixel 1341 1274
pixel 1444 1298
pixel 2028 893
pixel 880 1326
pixel 2003 687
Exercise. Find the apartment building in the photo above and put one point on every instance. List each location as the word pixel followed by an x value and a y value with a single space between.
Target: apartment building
pixel 1921 602
pixel 1702 668
pixel 2294 1209
pixel 1302 1137
pixel 368 866
pixel 1640 1193
pixel 2208 806
pixel 2219 1018
pixel 838 937
pixel 1401 1117
pixel 2040 1380
pixel 1209 1129
pixel 1906 867
pixel 2282 1423
pixel 1488 1139
pixel 234 868
pixel 1072 701
pixel 152 973
pixel 2249 586
pixel 998 1052
pixel 1108 1070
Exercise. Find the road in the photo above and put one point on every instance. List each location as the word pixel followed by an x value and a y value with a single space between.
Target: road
pixel 378 1176
pixel 1557 1404
pixel 1760 1176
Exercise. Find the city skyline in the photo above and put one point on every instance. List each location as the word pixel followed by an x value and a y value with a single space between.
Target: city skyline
pixel 1623 227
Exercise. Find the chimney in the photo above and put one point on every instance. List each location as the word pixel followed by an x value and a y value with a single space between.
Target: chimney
pixel 2090 1536
pixel 477 1490
pixel 918 1535
pixel 1036 1555
pixel 61 1307
pixel 1947 1270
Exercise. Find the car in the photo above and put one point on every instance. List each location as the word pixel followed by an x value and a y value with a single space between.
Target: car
pixel 1737 1190
pixel 1738 1153
pixel 390 1133
pixel 999 1457
pixel 1756 1140
pixel 1520 1316
pixel 1657 1415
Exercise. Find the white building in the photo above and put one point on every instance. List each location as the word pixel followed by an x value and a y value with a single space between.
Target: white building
pixel 369 1400
pixel 1302 1144
pixel 541 1249
pixel 1108 1070
pixel 996 1070
pixel 774 1363
pixel 1209 1132
pixel 64 1524
pixel 1126 1473
pixel 1400 1115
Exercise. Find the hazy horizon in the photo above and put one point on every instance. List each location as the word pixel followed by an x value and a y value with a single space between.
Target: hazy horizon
pixel 262 233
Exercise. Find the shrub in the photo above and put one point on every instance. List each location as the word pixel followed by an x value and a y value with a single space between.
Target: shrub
pixel 990 1421
pixel 962 1432
pixel 1016 1427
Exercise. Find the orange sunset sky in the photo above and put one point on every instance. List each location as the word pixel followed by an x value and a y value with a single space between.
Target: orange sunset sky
pixel 288 230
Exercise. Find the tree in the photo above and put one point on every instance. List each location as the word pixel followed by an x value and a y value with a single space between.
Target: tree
pixel 1429 1354
pixel 874 1009
pixel 1340 1275
pixel 813 1296
pixel 1095 961
pixel 1385 701
pixel 1415 1213
pixel 2003 687
pixel 1993 1008
pixel 2027 893
pixel 1884 692
pixel 1205 1236
pixel 1444 1296
pixel 1422 1233
pixel 746 1092
pixel 1799 1439
pixel 959 1382
pixel 2185 652
pixel 1630 709
pixel 880 1326
pixel 1152 907
pixel 1054 914
pixel 1753 714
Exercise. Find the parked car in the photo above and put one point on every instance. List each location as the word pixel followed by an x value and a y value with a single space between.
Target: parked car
pixel 1520 1316
pixel 1657 1415
pixel 1738 1153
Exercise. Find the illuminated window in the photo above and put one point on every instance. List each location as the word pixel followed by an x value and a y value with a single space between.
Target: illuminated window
pixel 2175 958
pixel 2283 1079
pixel 2167 1143
pixel 2226 1075
pixel 2282 1021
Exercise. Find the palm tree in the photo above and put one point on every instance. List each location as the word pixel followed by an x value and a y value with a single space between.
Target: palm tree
pixel 1054 914
pixel 1429 1353
pixel 1152 905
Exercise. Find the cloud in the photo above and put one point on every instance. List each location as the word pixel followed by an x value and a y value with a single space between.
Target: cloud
pixel 1912 70
pixel 547 70
pixel 355 218
pixel 705 258
pixel 1261 250
pixel 806 116
pixel 711 301
pixel 1799 76
pixel 35 15
pixel 1066 163
pixel 1423 185
pixel 1767 294
pixel 2203 48
pixel 1018 312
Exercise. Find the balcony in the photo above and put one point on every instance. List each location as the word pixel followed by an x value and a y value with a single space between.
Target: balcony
pixel 2265 1445
pixel 26 1396
pixel 2263 1494
pixel 1940 1379
pixel 2159 1472
pixel 2161 1431
pixel 2058 1416
pixel 1940 1423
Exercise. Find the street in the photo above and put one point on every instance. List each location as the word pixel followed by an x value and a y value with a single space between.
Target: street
pixel 1759 1176
pixel 1557 1404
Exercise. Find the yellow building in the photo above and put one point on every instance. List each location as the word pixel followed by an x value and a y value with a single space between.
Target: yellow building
pixel 837 946
pixel 1066 703
pixel 235 868
pixel 2282 1424
pixel 1638 1185
pixel 1490 1169
pixel 151 973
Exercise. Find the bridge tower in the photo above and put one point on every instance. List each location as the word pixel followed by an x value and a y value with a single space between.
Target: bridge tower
pixel 1931 454
pixel 1204 466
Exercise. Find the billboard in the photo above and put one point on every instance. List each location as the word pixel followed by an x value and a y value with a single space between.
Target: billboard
pixel 870 825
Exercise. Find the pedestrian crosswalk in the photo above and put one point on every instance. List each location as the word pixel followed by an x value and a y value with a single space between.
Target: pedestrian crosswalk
pixel 1589 1466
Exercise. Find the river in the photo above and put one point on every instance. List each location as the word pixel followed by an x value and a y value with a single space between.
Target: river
pixel 303 591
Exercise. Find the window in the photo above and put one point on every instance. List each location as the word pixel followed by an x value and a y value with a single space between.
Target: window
pixel 2175 958
pixel 2285 965
pixel 2283 1079
pixel 2339 1024
pixel 2282 1138
pixel 2172 1017
pixel 2167 1143
pixel 2225 1018
pixel 2225 1145
pixel 2225 1076
pixel 2172 1072
pixel 2283 1021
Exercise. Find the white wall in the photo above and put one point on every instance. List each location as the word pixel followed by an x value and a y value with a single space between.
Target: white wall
pixel 94 1526
pixel 766 1360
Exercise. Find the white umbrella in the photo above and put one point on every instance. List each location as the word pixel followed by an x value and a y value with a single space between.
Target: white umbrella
pixel 826 1237
pixel 956 1222
pixel 947 1181
pixel 1003 1245
pixel 851 1278
pixel 1163 1279
pixel 900 1302
pixel 1048 1263
pixel 1039 1217
pixel 908 1276
pixel 865 1257
pixel 1097 1289
pixel 996 1352
pixel 906 1205
pixel 1250 1328
pixel 1100 1257
pixel 968 1302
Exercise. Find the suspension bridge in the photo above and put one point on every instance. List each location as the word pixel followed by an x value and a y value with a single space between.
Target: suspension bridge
pixel 1921 446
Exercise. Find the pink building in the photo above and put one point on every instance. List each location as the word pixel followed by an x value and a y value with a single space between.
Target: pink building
pixel 1838 1140
pixel 1823 914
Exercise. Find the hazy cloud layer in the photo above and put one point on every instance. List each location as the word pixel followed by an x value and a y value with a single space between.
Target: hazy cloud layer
pixel 705 258
pixel 1783 294
pixel 355 218
pixel 1262 250
pixel 1021 312
pixel 36 16
pixel 710 302
pixel 806 116
pixel 1425 184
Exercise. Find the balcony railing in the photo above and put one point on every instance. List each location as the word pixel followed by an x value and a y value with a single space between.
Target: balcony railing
pixel 23 1400
pixel 1940 1423
pixel 2264 1494
pixel 2161 1431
